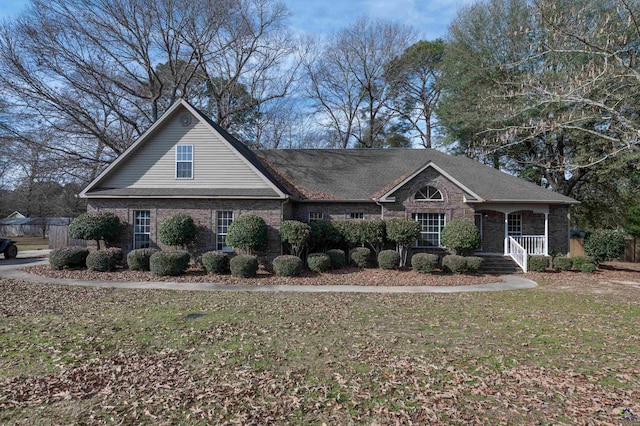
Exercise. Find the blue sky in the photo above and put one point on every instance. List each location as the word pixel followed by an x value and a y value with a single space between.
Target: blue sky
pixel 429 17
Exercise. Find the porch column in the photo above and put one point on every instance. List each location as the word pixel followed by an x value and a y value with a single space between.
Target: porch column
pixel 546 234
pixel 506 234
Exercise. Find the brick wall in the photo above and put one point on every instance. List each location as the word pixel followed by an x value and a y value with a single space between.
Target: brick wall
pixel 335 211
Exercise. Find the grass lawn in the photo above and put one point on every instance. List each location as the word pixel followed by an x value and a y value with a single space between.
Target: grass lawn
pixel 31 243
pixel 566 352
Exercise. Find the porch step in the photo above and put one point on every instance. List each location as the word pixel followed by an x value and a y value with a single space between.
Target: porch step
pixel 499 265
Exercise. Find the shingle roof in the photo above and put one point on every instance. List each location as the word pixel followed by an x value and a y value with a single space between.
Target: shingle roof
pixel 364 174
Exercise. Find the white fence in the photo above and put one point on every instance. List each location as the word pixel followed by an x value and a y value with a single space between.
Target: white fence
pixel 518 253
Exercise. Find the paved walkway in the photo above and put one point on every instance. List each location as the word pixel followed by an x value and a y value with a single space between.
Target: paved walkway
pixel 13 269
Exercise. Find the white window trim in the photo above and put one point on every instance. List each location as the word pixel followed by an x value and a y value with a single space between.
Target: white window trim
pixel 321 214
pixel 428 200
pixel 184 161
pixel 517 217
pixel 444 216
pixel 356 218
pixel 223 248
pixel 135 218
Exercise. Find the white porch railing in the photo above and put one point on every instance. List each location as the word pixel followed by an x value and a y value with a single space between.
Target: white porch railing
pixel 518 254
pixel 533 244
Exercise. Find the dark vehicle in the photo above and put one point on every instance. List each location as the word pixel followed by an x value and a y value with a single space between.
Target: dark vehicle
pixel 8 248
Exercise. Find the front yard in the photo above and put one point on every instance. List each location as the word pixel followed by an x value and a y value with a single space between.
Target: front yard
pixel 565 352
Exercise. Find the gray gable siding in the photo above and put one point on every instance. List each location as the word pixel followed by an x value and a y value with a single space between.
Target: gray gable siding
pixel 215 164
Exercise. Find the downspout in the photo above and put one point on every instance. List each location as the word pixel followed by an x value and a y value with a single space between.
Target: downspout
pixel 377 200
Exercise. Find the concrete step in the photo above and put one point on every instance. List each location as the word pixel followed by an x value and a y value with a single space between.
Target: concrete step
pixel 499 265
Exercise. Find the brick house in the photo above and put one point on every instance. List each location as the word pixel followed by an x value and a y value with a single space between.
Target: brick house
pixel 187 163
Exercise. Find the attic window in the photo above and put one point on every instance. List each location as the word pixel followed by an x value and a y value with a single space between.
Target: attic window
pixel 428 193
pixel 184 161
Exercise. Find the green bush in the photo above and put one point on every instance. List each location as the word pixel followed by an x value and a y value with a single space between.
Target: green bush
pixel 538 263
pixel 215 262
pixel 296 234
pixel 424 263
pixel 100 261
pixel 117 256
pixel 244 265
pixel 578 261
pixel 588 268
pixel 454 263
pixel 360 257
pixel 605 245
pixel 474 263
pixel 68 258
pixel 389 259
pixel 248 232
pixel 562 263
pixel 96 226
pixel 138 260
pixel 287 266
pixel 319 262
pixel 403 232
pixel 461 236
pixel 169 263
pixel 177 230
pixel 324 234
pixel 338 258
pixel 371 232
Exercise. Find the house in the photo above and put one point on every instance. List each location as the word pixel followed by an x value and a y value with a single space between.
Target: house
pixel 16 215
pixel 187 163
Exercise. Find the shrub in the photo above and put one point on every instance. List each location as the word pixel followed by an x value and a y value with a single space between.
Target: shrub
pixel 100 261
pixel 371 232
pixel 562 263
pixel 116 254
pixel 454 263
pixel 588 268
pixel 578 261
pixel 474 263
pixel 177 230
pixel 389 259
pixel 324 234
pixel 338 258
pixel 296 234
pixel 461 236
pixel 287 266
pixel 248 232
pixel 319 262
pixel 403 232
pixel 215 262
pixel 173 262
pixel 424 263
pixel 68 257
pixel 605 245
pixel 138 260
pixel 538 263
pixel 360 256
pixel 244 266
pixel 97 226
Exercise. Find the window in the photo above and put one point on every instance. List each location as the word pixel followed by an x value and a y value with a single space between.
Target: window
pixel 514 225
pixel 141 229
pixel 431 225
pixel 223 220
pixel 356 215
pixel 316 216
pixel 428 193
pixel 184 161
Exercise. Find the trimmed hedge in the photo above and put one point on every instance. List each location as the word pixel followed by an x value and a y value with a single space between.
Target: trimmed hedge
pixel 424 263
pixel 138 260
pixel 177 230
pixel 296 234
pixel 389 259
pixel 538 263
pixel 324 234
pixel 605 245
pixel 102 225
pixel 403 232
pixel 578 261
pixel 68 258
pixel 319 262
pixel 461 236
pixel 562 263
pixel 474 263
pixel 215 262
pixel 244 266
pixel 101 261
pixel 287 265
pixel 248 232
pixel 338 258
pixel 454 264
pixel 588 268
pixel 169 263
pixel 117 256
pixel 360 257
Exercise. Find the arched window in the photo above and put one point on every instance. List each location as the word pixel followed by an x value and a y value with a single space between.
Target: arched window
pixel 428 193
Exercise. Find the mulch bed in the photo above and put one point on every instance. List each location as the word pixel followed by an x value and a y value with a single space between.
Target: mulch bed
pixel 344 276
